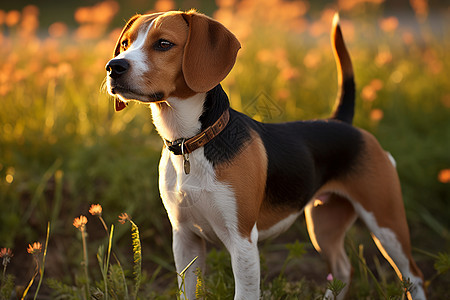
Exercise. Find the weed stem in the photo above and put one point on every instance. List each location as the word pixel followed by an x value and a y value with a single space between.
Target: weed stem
pixel 83 237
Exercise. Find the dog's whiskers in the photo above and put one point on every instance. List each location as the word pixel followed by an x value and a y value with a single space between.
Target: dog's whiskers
pixel 104 85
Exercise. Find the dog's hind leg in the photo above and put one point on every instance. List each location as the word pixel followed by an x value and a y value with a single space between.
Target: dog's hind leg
pixel 389 229
pixel 376 196
pixel 327 220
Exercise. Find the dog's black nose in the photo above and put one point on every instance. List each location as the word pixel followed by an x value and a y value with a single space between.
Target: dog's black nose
pixel 117 67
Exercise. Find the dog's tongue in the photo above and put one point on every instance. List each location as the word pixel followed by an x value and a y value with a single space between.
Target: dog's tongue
pixel 119 105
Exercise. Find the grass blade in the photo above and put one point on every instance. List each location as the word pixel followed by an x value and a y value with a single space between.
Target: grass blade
pixel 41 270
pixel 41 187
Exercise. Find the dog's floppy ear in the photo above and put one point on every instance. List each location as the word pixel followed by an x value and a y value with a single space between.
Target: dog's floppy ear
pixel 129 24
pixel 209 54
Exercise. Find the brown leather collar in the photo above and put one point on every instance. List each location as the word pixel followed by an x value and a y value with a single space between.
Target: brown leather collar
pixel 186 146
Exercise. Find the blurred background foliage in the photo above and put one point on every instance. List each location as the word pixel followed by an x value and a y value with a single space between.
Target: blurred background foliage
pixel 62 148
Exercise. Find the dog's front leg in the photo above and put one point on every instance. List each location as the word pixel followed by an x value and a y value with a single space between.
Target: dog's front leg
pixel 245 263
pixel 187 246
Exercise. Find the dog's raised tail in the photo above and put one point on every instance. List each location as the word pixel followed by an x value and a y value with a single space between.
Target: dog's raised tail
pixel 345 102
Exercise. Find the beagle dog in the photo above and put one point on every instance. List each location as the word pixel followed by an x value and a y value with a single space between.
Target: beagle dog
pixel 228 179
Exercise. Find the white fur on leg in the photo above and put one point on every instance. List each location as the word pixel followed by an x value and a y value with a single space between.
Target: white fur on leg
pixel 391 249
pixel 187 246
pixel 246 269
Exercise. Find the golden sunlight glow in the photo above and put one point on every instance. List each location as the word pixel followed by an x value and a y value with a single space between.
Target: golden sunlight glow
pixel 310 226
pixel 390 260
pixel 386 255
pixel 318 202
pixel 336 19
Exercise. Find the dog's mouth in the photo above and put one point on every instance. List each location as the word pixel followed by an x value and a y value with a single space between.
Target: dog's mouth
pixel 123 95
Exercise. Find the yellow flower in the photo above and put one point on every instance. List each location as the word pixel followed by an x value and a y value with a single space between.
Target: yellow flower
pixel 35 248
pixel 80 222
pixel 95 210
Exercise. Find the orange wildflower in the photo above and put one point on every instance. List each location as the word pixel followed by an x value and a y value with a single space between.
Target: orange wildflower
pixel 389 24
pixel 95 210
pixel 420 7
pixel 376 114
pixel 12 18
pixel 164 5
pixel 312 59
pixel 5 255
pixel 434 64
pixel 369 92
pixel 408 38
pixel 35 248
pixel 446 100
pixel 57 30
pixel 123 218
pixel 100 13
pixel 30 21
pixel 289 73
pixel 89 31
pixel 80 222
pixel 351 4
pixel 2 16
pixel 5 252
pixel 383 57
pixel 444 176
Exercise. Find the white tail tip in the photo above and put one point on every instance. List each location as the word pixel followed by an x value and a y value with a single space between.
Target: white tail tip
pixel 336 19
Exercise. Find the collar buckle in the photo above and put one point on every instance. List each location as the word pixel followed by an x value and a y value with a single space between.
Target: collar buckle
pixel 176 146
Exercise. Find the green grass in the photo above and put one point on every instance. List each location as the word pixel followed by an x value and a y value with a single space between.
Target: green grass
pixel 62 148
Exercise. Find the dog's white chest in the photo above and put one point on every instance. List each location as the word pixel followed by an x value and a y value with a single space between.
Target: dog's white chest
pixel 196 201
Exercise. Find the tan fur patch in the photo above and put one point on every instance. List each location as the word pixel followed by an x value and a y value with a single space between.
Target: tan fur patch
pixel 246 174
pixel 270 216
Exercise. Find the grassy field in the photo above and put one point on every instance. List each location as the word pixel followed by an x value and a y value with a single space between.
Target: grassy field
pixel 62 149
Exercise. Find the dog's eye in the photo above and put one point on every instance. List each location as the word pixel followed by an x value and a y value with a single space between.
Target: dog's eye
pixel 125 44
pixel 162 45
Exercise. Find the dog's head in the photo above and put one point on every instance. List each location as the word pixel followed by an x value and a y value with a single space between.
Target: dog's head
pixel 173 54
